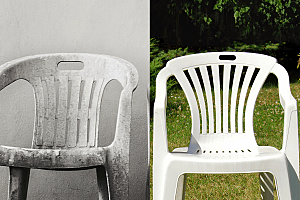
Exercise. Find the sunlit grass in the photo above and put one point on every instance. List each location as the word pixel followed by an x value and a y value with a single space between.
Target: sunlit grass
pixel 268 127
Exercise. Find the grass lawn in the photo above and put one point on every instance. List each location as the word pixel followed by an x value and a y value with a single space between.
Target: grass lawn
pixel 268 127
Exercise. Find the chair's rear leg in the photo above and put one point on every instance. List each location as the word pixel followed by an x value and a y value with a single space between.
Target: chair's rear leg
pixel 102 183
pixel 266 185
pixel 18 183
pixel 180 190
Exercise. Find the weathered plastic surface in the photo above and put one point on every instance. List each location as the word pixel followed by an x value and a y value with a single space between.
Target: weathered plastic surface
pixel 67 118
pixel 222 135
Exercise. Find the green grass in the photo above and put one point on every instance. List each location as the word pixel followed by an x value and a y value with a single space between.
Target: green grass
pixel 268 127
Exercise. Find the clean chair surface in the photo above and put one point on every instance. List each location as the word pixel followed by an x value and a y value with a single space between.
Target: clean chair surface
pixel 221 89
pixel 68 103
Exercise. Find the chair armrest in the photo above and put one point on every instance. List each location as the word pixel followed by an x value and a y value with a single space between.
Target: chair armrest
pixel 160 141
pixel 287 101
pixel 290 145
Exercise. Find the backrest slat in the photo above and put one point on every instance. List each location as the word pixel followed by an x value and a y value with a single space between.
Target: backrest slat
pixel 94 111
pixel 242 99
pixel 216 81
pixel 186 86
pixel 83 111
pixel 200 96
pixel 226 79
pixel 235 86
pixel 40 109
pixel 256 86
pixel 50 109
pixel 73 111
pixel 62 111
pixel 206 81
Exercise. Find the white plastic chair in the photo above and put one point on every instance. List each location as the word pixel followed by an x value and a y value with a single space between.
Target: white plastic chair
pixel 217 146
pixel 68 104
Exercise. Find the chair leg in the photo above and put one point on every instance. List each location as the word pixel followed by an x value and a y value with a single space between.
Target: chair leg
pixel 287 182
pixel 18 183
pixel 181 184
pixel 165 181
pixel 266 185
pixel 118 181
pixel 158 180
pixel 102 183
pixel 170 184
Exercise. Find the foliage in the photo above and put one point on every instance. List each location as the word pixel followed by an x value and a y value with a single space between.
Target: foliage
pixel 239 46
pixel 267 19
pixel 219 22
pixel 268 48
pixel 158 59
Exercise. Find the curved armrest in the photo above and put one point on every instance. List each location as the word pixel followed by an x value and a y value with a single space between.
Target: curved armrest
pixel 290 145
pixel 160 141
pixel 287 101
pixel 286 98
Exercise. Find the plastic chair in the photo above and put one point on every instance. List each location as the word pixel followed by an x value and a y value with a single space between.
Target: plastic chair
pixel 68 103
pixel 217 146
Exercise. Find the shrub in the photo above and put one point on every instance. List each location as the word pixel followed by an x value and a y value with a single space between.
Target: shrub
pixel 158 60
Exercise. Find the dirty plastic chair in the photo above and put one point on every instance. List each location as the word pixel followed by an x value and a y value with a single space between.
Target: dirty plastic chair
pixel 65 135
pixel 225 85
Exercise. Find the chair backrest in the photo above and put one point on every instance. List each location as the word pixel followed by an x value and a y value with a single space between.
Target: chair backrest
pixel 221 88
pixel 68 100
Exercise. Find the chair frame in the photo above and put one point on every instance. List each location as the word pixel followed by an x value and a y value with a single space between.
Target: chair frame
pixel 204 152
pixel 65 135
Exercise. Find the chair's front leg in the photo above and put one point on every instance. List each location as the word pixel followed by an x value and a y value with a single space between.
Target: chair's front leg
pixel 18 183
pixel 180 190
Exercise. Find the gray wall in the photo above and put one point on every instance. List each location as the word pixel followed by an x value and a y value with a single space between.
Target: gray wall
pixel 119 28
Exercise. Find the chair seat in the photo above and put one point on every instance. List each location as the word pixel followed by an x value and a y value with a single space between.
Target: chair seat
pixel 226 143
pixel 238 143
pixel 52 158
pixel 234 162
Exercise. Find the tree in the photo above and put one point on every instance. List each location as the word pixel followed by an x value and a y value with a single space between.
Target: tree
pixel 217 22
